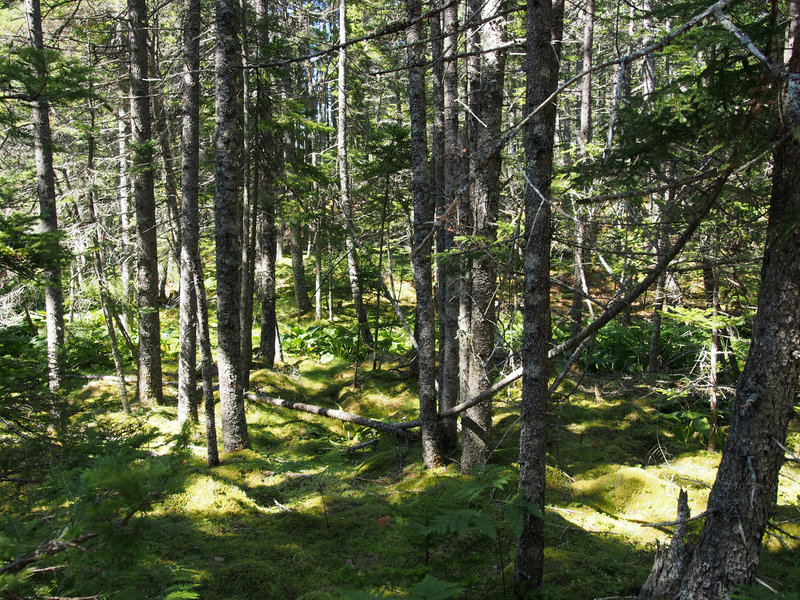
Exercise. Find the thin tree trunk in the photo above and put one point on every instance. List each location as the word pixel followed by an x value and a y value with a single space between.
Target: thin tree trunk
pixel 105 300
pixel 421 255
pixel 228 224
pixel 267 167
pixel 189 217
pixel 123 184
pixel 45 186
pixel 161 125
pixel 541 69
pixel 344 182
pixel 448 270
pixel 248 215
pixel 149 389
pixel 207 361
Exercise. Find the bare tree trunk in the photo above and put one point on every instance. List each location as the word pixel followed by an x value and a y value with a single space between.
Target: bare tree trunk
pixel 421 254
pixel 344 183
pixel 190 225
pixel 123 183
pixel 477 421
pixel 46 189
pixel 541 76
pixel 228 223
pixel 150 389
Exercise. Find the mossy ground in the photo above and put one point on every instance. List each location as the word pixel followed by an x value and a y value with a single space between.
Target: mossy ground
pixel 297 516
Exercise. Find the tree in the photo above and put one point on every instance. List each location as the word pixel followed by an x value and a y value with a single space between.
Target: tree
pixel 189 218
pixel 46 190
pixel 541 71
pixel 344 181
pixel 228 223
pixel 746 486
pixel 422 246
pixel 142 164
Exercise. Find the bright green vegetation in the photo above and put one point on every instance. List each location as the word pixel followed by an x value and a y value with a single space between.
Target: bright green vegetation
pixel 298 516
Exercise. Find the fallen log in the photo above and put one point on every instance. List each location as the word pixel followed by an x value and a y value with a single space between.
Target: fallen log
pixel 331 413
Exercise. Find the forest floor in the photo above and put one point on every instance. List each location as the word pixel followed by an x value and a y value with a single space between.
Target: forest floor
pixel 300 516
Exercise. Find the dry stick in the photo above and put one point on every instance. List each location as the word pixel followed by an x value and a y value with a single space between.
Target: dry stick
pixel 330 412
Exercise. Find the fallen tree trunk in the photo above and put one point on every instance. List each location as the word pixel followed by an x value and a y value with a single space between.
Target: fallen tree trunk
pixel 331 413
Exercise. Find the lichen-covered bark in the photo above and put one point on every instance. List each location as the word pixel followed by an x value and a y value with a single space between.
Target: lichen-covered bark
pixel 228 165
pixel 541 76
pixel 421 260
pixel 150 389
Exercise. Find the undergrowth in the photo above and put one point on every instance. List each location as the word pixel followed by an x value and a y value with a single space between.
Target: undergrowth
pixel 304 515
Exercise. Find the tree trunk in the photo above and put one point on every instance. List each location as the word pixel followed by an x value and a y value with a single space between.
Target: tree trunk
pixel 477 421
pixel 344 183
pixel 46 190
pixel 228 223
pixel 541 77
pixel 267 166
pixel 421 254
pixel 448 269
pixel 190 225
pixel 123 184
pixel 144 198
pixel 298 270
pixel 248 213
pixel 746 486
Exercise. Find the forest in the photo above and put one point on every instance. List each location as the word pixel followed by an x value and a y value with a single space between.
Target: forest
pixel 358 299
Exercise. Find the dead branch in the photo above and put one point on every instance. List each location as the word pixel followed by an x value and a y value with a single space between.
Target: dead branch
pixel 331 413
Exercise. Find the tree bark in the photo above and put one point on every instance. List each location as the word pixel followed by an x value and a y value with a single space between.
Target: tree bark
pixel 448 269
pixel 746 486
pixel 228 223
pixel 189 217
pixel 248 213
pixel 150 389
pixel 46 190
pixel 541 79
pixel 421 261
pixel 476 422
pixel 298 270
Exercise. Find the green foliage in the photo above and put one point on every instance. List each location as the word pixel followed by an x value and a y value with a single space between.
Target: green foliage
pixel 25 252
pixel 430 588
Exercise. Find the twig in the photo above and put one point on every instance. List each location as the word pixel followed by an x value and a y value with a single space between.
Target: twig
pixel 673 523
